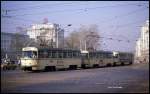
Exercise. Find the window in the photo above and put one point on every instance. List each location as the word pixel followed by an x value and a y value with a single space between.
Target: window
pixel 27 54
pixel 60 54
pixel 100 55
pixel 84 55
pixel 91 55
pixel 75 54
pixel 50 54
pixel 69 54
pixel 30 54
pixel 45 54
pixel 34 54
pixel 64 54
pixel 109 55
pixel 54 54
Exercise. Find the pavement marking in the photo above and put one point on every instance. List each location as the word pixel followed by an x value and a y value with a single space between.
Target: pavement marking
pixel 114 87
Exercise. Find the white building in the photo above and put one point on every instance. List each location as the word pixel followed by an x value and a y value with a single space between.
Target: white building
pixel 138 47
pixel 52 33
pixel 142 45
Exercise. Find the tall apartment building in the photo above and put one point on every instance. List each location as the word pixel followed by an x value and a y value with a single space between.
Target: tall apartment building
pixel 142 45
pixel 52 33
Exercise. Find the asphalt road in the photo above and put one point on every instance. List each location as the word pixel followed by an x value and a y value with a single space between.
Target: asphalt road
pixel 121 79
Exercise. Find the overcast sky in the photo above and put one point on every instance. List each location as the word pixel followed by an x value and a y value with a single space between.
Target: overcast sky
pixel 119 20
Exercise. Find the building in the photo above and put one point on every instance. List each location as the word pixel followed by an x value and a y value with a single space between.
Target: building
pixel 138 47
pixel 7 39
pixel 48 33
pixel 142 45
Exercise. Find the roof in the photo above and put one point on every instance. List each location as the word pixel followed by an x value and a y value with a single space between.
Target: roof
pixel 48 49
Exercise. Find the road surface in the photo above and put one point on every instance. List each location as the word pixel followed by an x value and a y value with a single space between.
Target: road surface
pixel 120 79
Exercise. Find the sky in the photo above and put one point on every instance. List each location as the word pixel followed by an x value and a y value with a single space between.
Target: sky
pixel 119 20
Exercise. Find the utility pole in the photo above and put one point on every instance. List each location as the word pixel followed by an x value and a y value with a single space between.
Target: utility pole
pixel 58 29
pixel 80 45
pixel 85 45
pixel 5 15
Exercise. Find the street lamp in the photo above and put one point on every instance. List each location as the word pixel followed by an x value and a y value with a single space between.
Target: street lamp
pixel 58 30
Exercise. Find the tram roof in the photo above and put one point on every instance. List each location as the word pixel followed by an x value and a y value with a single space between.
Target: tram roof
pixel 58 49
pixel 125 52
pixel 100 51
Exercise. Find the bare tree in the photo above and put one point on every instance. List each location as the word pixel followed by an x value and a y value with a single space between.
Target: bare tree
pixel 85 35
pixel 72 41
pixel 92 38
pixel 43 40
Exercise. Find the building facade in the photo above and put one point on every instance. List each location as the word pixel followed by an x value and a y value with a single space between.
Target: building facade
pixel 7 49
pixel 142 45
pixel 49 33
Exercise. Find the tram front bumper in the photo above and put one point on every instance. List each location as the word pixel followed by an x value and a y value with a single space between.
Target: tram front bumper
pixel 29 68
pixel 28 63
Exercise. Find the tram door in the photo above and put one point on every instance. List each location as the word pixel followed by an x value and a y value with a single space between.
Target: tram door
pixel 60 63
pixel 84 60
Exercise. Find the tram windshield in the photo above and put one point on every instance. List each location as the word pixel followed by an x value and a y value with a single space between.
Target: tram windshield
pixel 30 54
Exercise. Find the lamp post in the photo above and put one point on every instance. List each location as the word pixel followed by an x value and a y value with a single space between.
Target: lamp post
pixel 58 29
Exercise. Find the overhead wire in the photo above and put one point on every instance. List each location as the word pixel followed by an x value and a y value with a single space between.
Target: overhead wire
pixel 39 6
pixel 122 15
pixel 63 4
pixel 68 10
pixel 109 20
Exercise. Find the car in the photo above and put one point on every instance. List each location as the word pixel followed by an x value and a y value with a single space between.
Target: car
pixel 8 65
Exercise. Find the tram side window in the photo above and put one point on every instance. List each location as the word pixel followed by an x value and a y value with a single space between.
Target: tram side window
pixel 100 55
pixel 104 55
pixel 50 54
pixel 78 54
pixel 90 55
pixel 64 54
pixel 40 54
pixel 60 55
pixel 94 55
pixel 75 54
pixel 45 54
pixel 109 55
pixel 54 54
pixel 69 55
pixel 122 55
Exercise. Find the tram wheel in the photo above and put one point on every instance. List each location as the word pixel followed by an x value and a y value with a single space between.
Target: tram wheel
pixel 114 64
pixel 122 63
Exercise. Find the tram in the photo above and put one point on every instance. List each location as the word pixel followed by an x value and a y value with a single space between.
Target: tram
pixel 55 59
pixel 49 59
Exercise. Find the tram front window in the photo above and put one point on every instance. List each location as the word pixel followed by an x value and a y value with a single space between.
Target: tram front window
pixel 30 54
